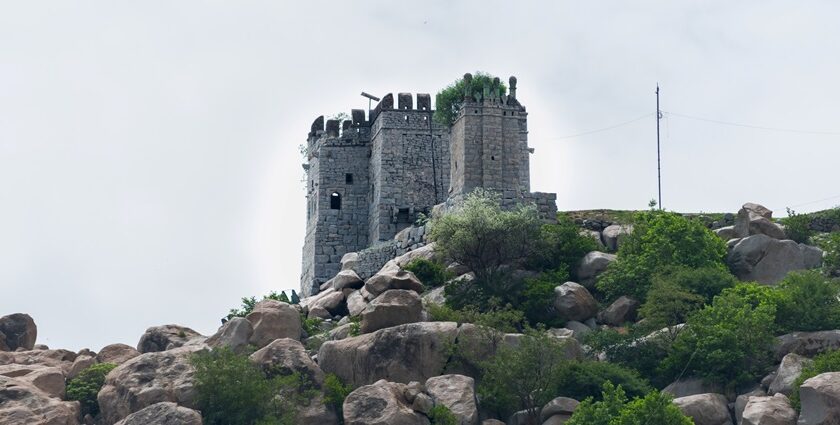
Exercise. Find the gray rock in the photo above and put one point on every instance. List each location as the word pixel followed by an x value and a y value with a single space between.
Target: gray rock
pixel 356 303
pixel 381 403
pixel 742 399
pixel 393 278
pixel 593 264
pixel 435 296
pixel 620 311
pixel 23 403
pixel 746 214
pixel 426 252
pixel 492 422
pixel 19 331
pixel 316 413
pixel 560 406
pixel 807 344
pixel 705 409
pixel 81 363
pixel 457 392
pixel 49 379
pixel 574 302
pixel 164 413
pixel 61 359
pixel 273 320
pixel 775 410
pixel 763 259
pixel 820 400
pixel 349 261
pixel 613 234
pixel 422 403
pixel 691 386
pixel 330 300
pixel 393 307
pixel 148 379
pixel 787 373
pixel 345 279
pixel 578 329
pixel 234 334
pixel 405 353
pixel 287 356
pixel 524 417
pixel 726 233
pixel 116 353
pixel 166 337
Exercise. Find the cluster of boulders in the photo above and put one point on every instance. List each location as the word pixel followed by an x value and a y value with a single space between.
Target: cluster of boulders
pixel 759 249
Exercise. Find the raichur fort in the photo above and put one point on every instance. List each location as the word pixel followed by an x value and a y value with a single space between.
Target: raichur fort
pixel 371 177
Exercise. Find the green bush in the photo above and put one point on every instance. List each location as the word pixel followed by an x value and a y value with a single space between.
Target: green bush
pixel 580 379
pixel 797 226
pixel 431 273
pixel 230 390
pixel 831 261
pixel 630 348
pixel 808 302
pixel 248 304
pixel 489 241
pixel 537 299
pixel 704 281
pixel 311 325
pixel 561 246
pixel 823 363
pixel 449 100
pixel 335 392
pixel 659 239
pixel 668 304
pixel 614 409
pixel 505 319
pixel 728 342
pixel 86 385
pixel 441 415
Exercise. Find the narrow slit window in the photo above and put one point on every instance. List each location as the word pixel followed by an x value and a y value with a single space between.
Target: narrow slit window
pixel 348 178
pixel 335 201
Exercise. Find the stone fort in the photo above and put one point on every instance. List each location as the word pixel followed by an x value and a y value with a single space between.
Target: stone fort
pixel 371 176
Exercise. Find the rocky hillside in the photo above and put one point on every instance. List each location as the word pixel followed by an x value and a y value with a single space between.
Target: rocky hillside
pixel 493 319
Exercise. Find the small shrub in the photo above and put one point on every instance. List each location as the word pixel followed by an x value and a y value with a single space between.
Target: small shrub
pixel 585 378
pixel 230 390
pixel 312 326
pixel 561 246
pixel 825 362
pixel 441 415
pixel 831 260
pixel 633 350
pixel 659 240
pixel 449 100
pixel 355 325
pixel 335 392
pixel 248 304
pixel 797 226
pixel 808 302
pixel 537 299
pixel 431 273
pixel 668 304
pixel 703 281
pixel 84 387
pixel 614 409
pixel 729 341
pixel 507 319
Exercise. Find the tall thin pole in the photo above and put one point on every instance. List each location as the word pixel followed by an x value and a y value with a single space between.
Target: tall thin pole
pixel 658 160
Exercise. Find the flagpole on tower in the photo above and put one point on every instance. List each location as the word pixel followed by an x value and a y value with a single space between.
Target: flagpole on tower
pixel 658 158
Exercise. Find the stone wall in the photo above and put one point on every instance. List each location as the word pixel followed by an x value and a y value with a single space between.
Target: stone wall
pixel 372 259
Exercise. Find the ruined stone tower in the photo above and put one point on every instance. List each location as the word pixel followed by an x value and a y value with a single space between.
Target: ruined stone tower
pixel 370 177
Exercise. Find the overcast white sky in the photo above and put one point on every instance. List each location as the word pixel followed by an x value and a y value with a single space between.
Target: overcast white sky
pixel 149 170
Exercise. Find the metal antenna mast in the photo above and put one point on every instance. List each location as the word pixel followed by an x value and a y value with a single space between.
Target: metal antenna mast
pixel 658 160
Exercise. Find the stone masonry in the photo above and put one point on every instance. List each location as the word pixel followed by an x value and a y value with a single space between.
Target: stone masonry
pixel 370 177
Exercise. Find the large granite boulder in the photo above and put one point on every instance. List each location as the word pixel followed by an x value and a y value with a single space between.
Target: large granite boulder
pixel 48 379
pixel 691 386
pixel 62 359
pixel 742 399
pixel 763 259
pixel 316 412
pixel 457 392
pixel 19 331
pixel 356 303
pixel 436 296
pixel 612 235
pixel 788 371
pixel 404 353
pixel 382 403
pixel 326 304
pixel 349 261
pixel 345 279
pixel 148 379
pixel 807 344
pixel 393 307
pixel 234 334
pixel 272 320
pixel 726 233
pixel 705 409
pixel 574 302
pixel 593 264
pixel 755 219
pixel 620 311
pixel 820 400
pixel 775 410
pixel 285 356
pixel 425 252
pixel 116 353
pixel 558 411
pixel 392 277
pixel 81 363
pixel 23 403
pixel 167 337
pixel 163 413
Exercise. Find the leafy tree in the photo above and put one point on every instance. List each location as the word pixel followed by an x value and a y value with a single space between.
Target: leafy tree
pixel 798 226
pixel 486 239
pixel 728 341
pixel 230 390
pixel 431 273
pixel 808 302
pixel 823 363
pixel 659 239
pixel 831 260
pixel 86 385
pixel 614 409
pixel 449 100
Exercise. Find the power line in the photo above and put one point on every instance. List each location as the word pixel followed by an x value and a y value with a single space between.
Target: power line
pixel 606 128
pixel 757 127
